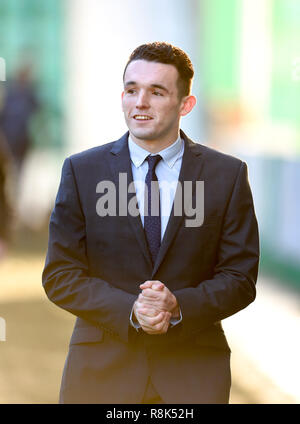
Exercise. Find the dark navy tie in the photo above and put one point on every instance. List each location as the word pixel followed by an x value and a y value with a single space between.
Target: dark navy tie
pixel 152 224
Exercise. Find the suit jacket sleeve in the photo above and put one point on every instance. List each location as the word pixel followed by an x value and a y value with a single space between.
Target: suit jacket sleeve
pixel 232 287
pixel 66 277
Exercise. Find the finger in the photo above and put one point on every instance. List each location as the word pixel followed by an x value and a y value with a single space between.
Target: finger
pixel 163 300
pixel 158 285
pixel 153 320
pixel 159 321
pixel 146 284
pixel 165 327
pixel 155 284
pixel 150 329
pixel 149 293
pixel 158 300
pixel 148 312
pixel 148 304
pixel 159 328
pixel 153 294
pixel 146 317
pixel 155 304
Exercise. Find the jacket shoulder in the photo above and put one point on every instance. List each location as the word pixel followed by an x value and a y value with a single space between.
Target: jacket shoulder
pixel 215 160
pixel 217 155
pixel 92 154
pixel 212 156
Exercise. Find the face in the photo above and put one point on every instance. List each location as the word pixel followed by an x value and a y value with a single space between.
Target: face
pixel 150 102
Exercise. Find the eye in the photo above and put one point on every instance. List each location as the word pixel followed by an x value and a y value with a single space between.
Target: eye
pixel 157 93
pixel 130 91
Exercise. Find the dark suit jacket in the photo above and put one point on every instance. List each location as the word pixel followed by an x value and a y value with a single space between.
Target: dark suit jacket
pixel 95 264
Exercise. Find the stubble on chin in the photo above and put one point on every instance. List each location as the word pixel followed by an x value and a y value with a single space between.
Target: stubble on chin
pixel 144 135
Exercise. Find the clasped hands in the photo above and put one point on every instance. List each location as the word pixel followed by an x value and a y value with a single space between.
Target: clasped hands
pixel 155 306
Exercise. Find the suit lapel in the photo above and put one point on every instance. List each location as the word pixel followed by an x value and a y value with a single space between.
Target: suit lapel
pixel 121 164
pixel 190 171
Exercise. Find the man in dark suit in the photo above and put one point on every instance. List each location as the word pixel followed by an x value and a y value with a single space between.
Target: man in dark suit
pixel 150 273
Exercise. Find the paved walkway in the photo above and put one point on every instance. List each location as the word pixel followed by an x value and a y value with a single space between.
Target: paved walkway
pixel 265 341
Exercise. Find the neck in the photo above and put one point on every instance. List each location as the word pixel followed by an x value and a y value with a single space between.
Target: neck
pixel 154 146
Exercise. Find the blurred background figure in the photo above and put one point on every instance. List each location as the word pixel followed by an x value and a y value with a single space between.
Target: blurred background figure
pixel 19 104
pixel 5 196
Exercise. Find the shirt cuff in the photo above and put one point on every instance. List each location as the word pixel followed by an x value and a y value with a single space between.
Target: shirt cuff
pixel 135 325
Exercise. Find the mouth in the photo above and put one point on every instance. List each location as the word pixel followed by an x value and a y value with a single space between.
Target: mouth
pixel 142 117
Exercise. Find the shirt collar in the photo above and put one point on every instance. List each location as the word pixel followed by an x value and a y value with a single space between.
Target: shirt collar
pixel 170 154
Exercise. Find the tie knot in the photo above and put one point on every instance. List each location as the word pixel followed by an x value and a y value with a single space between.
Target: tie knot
pixel 153 161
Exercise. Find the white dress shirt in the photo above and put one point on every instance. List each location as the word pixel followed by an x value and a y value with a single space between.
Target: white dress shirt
pixel 167 172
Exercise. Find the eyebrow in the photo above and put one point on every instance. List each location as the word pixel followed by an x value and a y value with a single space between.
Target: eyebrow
pixel 152 85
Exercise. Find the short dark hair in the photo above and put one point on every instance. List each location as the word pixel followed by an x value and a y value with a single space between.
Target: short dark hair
pixel 162 52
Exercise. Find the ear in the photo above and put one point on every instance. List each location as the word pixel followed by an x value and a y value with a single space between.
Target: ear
pixel 122 95
pixel 187 105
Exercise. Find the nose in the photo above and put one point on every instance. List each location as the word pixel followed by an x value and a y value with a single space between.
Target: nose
pixel 142 100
